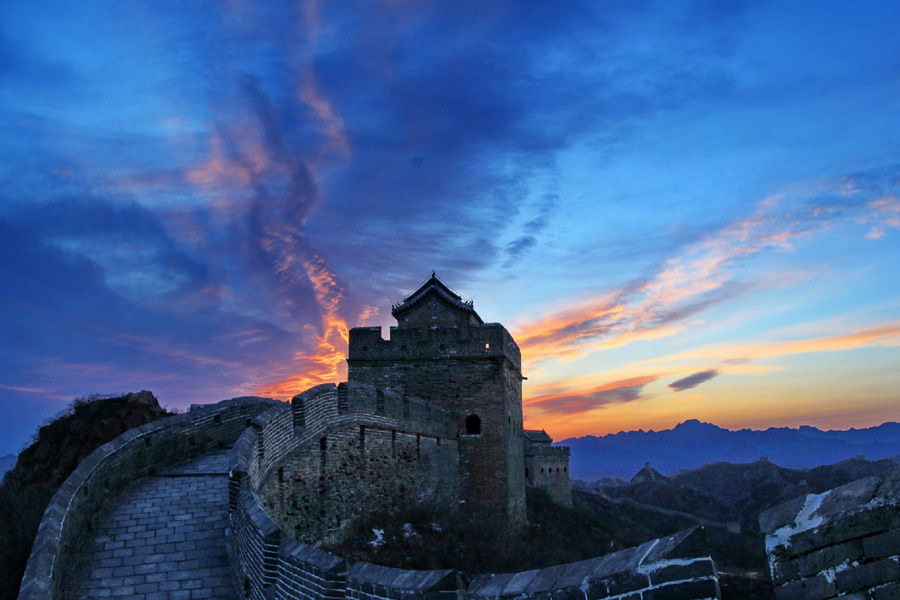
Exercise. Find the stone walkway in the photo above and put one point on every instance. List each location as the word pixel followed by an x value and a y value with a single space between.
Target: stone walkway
pixel 162 539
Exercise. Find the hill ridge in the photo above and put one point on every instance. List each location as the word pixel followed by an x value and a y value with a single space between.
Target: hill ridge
pixel 694 443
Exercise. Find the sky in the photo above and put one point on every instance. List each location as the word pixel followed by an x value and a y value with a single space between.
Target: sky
pixel 678 209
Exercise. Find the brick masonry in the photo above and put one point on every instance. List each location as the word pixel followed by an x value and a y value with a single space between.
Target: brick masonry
pixel 111 468
pixel 164 538
pixel 547 467
pixel 842 543
pixel 270 564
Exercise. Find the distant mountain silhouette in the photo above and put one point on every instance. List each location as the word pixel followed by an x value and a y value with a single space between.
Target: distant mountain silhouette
pixel 693 444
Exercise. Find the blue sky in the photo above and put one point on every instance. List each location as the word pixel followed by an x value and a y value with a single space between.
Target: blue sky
pixel 679 209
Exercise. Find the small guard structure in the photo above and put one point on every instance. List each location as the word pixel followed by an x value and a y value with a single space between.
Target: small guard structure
pixel 547 466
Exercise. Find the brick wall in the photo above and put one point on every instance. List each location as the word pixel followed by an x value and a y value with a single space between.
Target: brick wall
pixel 472 370
pixel 366 581
pixel 547 467
pixel 677 567
pixel 354 450
pixel 112 467
pixel 844 542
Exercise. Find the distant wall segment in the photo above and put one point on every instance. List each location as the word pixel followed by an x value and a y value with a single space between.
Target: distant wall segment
pixel 110 468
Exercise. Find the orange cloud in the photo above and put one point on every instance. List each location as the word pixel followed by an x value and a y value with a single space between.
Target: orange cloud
pixel 887 334
pixel 575 402
pixel 687 283
pixel 324 363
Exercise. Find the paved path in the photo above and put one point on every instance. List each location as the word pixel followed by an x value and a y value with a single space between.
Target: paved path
pixel 162 539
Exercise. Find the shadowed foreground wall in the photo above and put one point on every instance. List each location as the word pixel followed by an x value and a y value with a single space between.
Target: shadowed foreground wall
pixel 113 466
pixel 841 543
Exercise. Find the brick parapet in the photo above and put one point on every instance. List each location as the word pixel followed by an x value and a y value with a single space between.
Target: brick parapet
pixel 535 450
pixel 843 542
pixel 429 343
pixel 678 566
pixel 110 468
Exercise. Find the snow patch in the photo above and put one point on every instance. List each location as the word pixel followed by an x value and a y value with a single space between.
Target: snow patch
pixel 803 522
pixel 379 538
pixel 681 562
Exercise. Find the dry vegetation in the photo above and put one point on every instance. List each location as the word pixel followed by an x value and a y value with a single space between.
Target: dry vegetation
pixel 44 465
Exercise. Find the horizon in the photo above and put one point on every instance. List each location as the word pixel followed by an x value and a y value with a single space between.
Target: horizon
pixel 678 211
pixel 798 428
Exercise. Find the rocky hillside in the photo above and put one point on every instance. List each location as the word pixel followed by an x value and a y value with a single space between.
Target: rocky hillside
pixel 44 465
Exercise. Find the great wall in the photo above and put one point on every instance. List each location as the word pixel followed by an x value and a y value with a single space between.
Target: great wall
pixel 232 500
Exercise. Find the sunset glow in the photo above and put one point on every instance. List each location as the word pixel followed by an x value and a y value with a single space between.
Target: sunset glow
pixel 678 210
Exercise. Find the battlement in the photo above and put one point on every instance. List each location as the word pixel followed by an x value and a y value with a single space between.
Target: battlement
pixel 434 342
pixel 534 450
pixel 326 404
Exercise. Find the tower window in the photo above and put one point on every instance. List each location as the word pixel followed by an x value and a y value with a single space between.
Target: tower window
pixel 473 425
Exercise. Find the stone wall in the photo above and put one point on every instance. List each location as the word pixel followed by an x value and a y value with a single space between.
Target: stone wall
pixel 842 543
pixel 677 567
pixel 269 564
pixel 474 371
pixel 547 467
pixel 359 450
pixel 112 467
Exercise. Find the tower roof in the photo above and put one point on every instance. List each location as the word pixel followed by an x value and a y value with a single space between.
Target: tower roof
pixel 435 287
pixel 537 435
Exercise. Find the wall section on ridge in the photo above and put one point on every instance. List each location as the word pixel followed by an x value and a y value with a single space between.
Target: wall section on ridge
pixel 350 449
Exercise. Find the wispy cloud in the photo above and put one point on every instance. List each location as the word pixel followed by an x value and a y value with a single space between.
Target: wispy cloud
pixel 575 402
pixel 692 381
pixel 885 335
pixel 703 273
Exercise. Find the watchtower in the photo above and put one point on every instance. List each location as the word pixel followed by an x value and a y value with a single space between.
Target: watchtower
pixel 442 351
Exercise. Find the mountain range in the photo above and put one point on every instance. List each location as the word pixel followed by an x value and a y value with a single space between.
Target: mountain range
pixel 693 444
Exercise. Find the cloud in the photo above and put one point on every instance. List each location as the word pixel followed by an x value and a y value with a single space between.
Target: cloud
pixel 704 271
pixel 576 402
pixel 692 381
pixel 517 248
pixel 885 334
